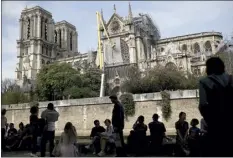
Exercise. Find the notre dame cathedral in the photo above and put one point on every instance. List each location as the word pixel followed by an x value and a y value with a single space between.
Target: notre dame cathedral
pixel 136 41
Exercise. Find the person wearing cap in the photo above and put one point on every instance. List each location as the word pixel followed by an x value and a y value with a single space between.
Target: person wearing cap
pixel 118 125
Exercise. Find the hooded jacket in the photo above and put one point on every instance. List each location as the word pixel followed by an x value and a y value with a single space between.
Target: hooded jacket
pixel 222 79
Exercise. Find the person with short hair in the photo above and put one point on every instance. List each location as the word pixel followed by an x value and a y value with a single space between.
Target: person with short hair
pixel 182 127
pixel 33 119
pixel 118 122
pixel 106 137
pixel 50 115
pixel 95 137
pixel 140 136
pixel 157 134
pixel 215 102
pixel 194 138
pixel 3 128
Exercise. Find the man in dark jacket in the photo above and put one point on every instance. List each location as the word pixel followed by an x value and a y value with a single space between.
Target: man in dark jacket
pixel 118 125
pixel 215 97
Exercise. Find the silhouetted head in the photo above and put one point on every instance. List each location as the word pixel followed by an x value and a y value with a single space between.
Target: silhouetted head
pixel 21 126
pixel 182 116
pixel 3 112
pixel 113 99
pixel 50 106
pixel 215 65
pixel 194 122
pixel 68 126
pixel 155 117
pixel 34 110
pixel 107 122
pixel 11 125
pixel 141 119
pixel 97 123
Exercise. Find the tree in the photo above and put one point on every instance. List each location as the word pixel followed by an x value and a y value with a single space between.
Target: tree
pixel 159 79
pixel 225 52
pixel 60 80
pixel 11 93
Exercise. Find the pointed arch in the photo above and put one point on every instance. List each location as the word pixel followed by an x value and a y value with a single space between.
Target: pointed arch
pixel 59 33
pixel 208 47
pixel 28 27
pixel 55 36
pixel 41 26
pixel 184 48
pixel 171 66
pixel 46 29
pixel 197 48
pixel 71 41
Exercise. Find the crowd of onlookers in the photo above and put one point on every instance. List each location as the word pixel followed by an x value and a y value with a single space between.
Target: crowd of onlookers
pixel 214 138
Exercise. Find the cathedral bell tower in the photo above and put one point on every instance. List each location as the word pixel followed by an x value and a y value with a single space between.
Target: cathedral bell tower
pixel 35 44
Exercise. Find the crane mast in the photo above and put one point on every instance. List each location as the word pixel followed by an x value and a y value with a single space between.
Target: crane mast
pixel 100 51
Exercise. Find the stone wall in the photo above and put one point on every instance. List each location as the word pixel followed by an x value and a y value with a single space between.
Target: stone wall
pixel 82 112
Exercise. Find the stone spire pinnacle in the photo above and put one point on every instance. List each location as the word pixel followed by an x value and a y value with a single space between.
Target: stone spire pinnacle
pixel 114 8
pixel 130 15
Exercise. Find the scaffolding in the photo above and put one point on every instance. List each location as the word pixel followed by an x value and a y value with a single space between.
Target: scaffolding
pixel 144 23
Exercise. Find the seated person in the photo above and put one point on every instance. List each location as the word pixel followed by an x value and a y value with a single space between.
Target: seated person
pixel 157 134
pixel 131 142
pixel 193 138
pixel 95 136
pixel 21 128
pixel 11 134
pixel 106 137
pixel 140 135
pixel 23 140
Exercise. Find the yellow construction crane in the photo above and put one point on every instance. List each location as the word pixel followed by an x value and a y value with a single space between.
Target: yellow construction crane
pixel 100 48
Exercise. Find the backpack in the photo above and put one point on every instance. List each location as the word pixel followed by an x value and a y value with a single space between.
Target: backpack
pixel 219 108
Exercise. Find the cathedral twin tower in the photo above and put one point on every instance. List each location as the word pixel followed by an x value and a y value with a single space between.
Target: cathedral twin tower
pixel 42 41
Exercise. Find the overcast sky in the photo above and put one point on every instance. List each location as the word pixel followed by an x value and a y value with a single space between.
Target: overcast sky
pixel 172 18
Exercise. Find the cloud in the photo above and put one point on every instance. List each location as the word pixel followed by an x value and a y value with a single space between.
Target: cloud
pixel 173 19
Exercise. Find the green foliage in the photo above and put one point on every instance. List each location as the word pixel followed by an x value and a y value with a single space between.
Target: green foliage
pixel 61 81
pixel 159 79
pixel 11 93
pixel 166 105
pixel 129 104
pixel 14 97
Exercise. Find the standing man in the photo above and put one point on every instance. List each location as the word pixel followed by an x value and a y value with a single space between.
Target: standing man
pixel 157 134
pixel 3 128
pixel 118 125
pixel 51 116
pixel 215 105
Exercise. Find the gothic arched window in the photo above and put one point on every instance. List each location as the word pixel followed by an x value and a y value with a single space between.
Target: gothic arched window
pixel 46 51
pixel 41 26
pixel 208 47
pixel 42 61
pixel 55 36
pixel 59 32
pixel 71 41
pixel 46 29
pixel 184 48
pixel 171 66
pixel 196 48
pixel 42 48
pixel 28 28
pixel 124 51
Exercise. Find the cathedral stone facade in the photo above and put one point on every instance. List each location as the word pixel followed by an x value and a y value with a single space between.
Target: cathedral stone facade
pixel 131 40
pixel 135 40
